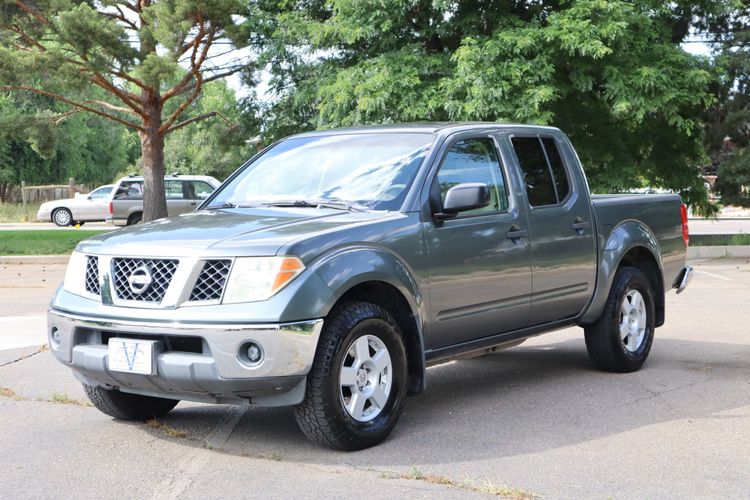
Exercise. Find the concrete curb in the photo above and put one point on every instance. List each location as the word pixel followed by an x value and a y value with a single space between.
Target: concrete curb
pixel 717 252
pixel 33 259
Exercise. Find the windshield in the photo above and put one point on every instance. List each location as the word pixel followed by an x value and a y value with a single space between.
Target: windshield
pixel 371 171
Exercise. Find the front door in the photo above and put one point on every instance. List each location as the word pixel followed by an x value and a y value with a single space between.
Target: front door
pixel 563 249
pixel 479 261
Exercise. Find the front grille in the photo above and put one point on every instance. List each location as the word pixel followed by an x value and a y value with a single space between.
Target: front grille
pixel 160 271
pixel 211 281
pixel 92 275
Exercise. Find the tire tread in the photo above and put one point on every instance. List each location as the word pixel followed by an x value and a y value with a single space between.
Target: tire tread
pixel 602 341
pixel 125 406
pixel 313 415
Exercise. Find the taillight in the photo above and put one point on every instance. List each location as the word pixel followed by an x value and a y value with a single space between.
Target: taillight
pixel 111 209
pixel 685 230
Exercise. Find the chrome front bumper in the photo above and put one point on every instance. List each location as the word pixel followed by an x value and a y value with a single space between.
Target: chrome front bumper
pixel 683 279
pixel 215 374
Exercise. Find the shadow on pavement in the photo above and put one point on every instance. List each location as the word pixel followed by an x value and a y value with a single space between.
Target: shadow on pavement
pixel 515 402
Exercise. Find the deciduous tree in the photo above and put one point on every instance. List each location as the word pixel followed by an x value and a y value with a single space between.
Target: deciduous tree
pixel 612 74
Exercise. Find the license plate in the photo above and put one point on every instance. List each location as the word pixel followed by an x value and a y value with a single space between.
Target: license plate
pixel 132 355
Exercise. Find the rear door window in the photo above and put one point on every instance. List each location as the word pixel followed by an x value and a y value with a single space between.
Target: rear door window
pixel 173 190
pixel 543 170
pixel 560 176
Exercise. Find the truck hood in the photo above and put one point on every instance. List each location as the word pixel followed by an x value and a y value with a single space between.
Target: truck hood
pixel 230 232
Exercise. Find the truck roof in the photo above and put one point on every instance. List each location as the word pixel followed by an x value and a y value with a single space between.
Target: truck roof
pixel 426 127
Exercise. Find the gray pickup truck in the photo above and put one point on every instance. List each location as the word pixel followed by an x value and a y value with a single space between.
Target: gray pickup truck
pixel 334 267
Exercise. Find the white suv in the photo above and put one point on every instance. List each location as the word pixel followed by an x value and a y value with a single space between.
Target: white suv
pixel 184 193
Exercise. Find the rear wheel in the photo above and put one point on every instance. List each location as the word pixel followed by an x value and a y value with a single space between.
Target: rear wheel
pixel 356 387
pixel 135 218
pixel 125 406
pixel 62 217
pixel 620 340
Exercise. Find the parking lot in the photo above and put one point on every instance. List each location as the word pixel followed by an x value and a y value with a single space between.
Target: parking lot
pixel 534 420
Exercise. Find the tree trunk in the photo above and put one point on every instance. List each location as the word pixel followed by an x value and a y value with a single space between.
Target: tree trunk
pixel 152 154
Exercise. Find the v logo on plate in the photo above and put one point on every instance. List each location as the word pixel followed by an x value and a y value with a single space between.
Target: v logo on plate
pixel 130 356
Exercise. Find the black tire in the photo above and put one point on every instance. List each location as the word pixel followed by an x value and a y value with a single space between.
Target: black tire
pixel 135 218
pixel 62 217
pixel 125 406
pixel 606 348
pixel 80 223
pixel 322 415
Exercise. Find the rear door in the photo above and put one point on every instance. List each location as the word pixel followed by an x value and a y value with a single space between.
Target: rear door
pixel 480 278
pixel 563 248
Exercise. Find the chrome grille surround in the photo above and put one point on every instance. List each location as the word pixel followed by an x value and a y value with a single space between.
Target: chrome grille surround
pixel 161 271
pixel 211 281
pixel 92 275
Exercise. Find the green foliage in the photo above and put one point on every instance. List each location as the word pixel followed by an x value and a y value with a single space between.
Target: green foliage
pixel 42 146
pixel 733 180
pixel 611 74
pixel 728 123
pixel 211 147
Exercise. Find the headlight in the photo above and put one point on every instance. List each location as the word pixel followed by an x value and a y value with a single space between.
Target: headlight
pixel 258 278
pixel 75 275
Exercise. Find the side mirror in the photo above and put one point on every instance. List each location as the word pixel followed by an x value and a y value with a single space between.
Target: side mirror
pixel 463 197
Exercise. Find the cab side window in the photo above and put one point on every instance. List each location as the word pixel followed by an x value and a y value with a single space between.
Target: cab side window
pixel 129 190
pixel 474 160
pixel 543 170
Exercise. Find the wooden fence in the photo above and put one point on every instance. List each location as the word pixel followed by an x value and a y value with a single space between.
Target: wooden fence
pixel 40 194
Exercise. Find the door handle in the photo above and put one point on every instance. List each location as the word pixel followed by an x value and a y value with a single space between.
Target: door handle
pixel 516 233
pixel 579 225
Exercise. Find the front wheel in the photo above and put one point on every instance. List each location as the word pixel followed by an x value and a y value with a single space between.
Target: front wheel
pixel 125 406
pixel 620 340
pixel 62 217
pixel 356 387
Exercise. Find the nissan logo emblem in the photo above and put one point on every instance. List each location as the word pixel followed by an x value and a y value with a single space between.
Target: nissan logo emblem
pixel 140 279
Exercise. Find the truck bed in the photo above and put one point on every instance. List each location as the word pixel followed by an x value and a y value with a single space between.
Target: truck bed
pixel 659 212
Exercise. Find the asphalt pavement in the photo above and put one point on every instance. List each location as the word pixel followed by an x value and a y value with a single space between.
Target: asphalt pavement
pixel 535 420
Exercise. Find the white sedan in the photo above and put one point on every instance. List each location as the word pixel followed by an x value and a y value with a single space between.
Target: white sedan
pixel 82 208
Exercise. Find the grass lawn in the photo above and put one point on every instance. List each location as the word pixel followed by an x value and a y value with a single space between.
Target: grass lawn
pixel 709 240
pixel 12 213
pixel 42 241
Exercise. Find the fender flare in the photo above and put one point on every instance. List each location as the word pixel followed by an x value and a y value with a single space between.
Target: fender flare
pixel 345 268
pixel 626 236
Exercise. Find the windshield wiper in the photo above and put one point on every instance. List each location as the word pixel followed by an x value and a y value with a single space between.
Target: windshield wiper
pixel 221 205
pixel 334 204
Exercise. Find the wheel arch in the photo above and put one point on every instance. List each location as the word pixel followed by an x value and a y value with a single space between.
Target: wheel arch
pixel 631 243
pixel 377 276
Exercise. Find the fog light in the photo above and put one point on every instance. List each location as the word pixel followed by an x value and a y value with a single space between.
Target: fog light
pixel 253 353
pixel 56 336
